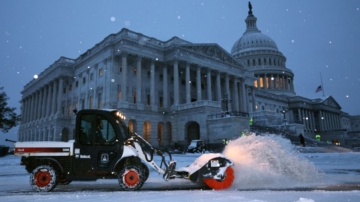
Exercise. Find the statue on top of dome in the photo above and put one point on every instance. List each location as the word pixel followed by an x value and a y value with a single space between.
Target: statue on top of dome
pixel 250 8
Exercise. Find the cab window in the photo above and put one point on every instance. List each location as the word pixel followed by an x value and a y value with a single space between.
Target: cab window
pixel 95 129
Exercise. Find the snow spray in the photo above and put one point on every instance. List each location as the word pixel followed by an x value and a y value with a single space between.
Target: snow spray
pixel 269 161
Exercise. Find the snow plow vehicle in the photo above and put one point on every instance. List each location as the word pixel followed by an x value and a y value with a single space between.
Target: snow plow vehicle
pixel 103 148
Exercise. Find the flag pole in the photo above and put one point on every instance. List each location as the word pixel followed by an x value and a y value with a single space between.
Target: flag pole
pixel 322 85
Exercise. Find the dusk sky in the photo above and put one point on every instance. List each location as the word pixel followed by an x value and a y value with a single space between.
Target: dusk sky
pixel 316 36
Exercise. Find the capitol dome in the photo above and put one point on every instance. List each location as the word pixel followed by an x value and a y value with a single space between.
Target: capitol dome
pixel 253 39
pixel 259 54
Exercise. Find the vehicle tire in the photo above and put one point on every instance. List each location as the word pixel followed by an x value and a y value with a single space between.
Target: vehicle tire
pixel 43 178
pixel 131 177
pixel 145 172
pixel 221 184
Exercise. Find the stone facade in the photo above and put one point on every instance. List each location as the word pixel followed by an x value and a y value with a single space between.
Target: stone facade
pixel 175 91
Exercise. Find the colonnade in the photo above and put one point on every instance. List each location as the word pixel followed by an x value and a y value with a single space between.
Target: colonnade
pixel 326 120
pixel 274 81
pixel 237 92
pixel 43 102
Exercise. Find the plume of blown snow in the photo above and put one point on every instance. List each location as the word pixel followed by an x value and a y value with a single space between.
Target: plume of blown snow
pixel 269 161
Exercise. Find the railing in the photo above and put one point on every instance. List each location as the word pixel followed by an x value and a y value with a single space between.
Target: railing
pixel 196 104
pixel 228 114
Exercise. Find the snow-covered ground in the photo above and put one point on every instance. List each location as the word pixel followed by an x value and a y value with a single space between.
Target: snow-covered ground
pixel 267 168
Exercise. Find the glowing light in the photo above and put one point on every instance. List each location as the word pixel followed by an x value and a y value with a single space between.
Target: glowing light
pixel 293 41
pixel 330 42
pixel 112 19
pixel 179 17
pixel 112 80
pixel 35 76
pixel 347 95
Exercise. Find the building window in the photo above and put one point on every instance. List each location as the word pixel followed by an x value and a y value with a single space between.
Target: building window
pixel 76 84
pixel 262 108
pixel 82 104
pixel 148 99
pixel 135 71
pixel 264 61
pixel 256 84
pixel 256 107
pixel 120 68
pixel 90 102
pixel 183 81
pixel 248 63
pixel 100 72
pixel 254 62
pixel 269 61
pixel 161 77
pixel 119 95
pixel 172 79
pixel 91 76
pixel 134 96
pixel 202 86
pixel 161 104
pixel 75 105
pixel 84 80
pixel 64 90
pixel 69 110
pixel 148 74
pixel 259 61
pixel 63 110
pixel 261 82
pixel 99 101
pixel 193 83
pixel 70 87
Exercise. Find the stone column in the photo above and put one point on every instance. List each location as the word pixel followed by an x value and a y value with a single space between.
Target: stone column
pixel 24 110
pixel 198 83
pixel 235 94
pixel 187 83
pixel 138 80
pixel 153 95
pixel 36 101
pixel 176 83
pixel 124 77
pixel 53 110
pixel 218 87
pixel 272 81
pixel 227 87
pixel 46 100
pixel 41 103
pixel 321 125
pixel 253 99
pixel 165 85
pixel 208 83
pixel 243 96
pixel 59 97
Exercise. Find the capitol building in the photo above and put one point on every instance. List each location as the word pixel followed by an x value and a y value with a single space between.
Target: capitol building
pixel 174 91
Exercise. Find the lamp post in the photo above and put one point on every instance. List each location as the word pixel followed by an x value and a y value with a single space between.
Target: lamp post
pixel 226 101
pixel 284 112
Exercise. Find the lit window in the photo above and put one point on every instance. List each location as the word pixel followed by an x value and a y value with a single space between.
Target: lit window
pixel 100 72
pixel 135 71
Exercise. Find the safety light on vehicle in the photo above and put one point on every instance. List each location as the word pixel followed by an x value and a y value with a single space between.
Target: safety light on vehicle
pixel 214 163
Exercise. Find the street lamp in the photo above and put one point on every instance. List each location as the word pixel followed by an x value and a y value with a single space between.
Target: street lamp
pixel 284 112
pixel 226 101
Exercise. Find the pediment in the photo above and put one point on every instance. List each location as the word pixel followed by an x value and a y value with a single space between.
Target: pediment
pixel 213 51
pixel 330 101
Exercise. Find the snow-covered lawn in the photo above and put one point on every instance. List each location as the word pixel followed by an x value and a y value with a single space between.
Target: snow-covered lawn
pixel 267 168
